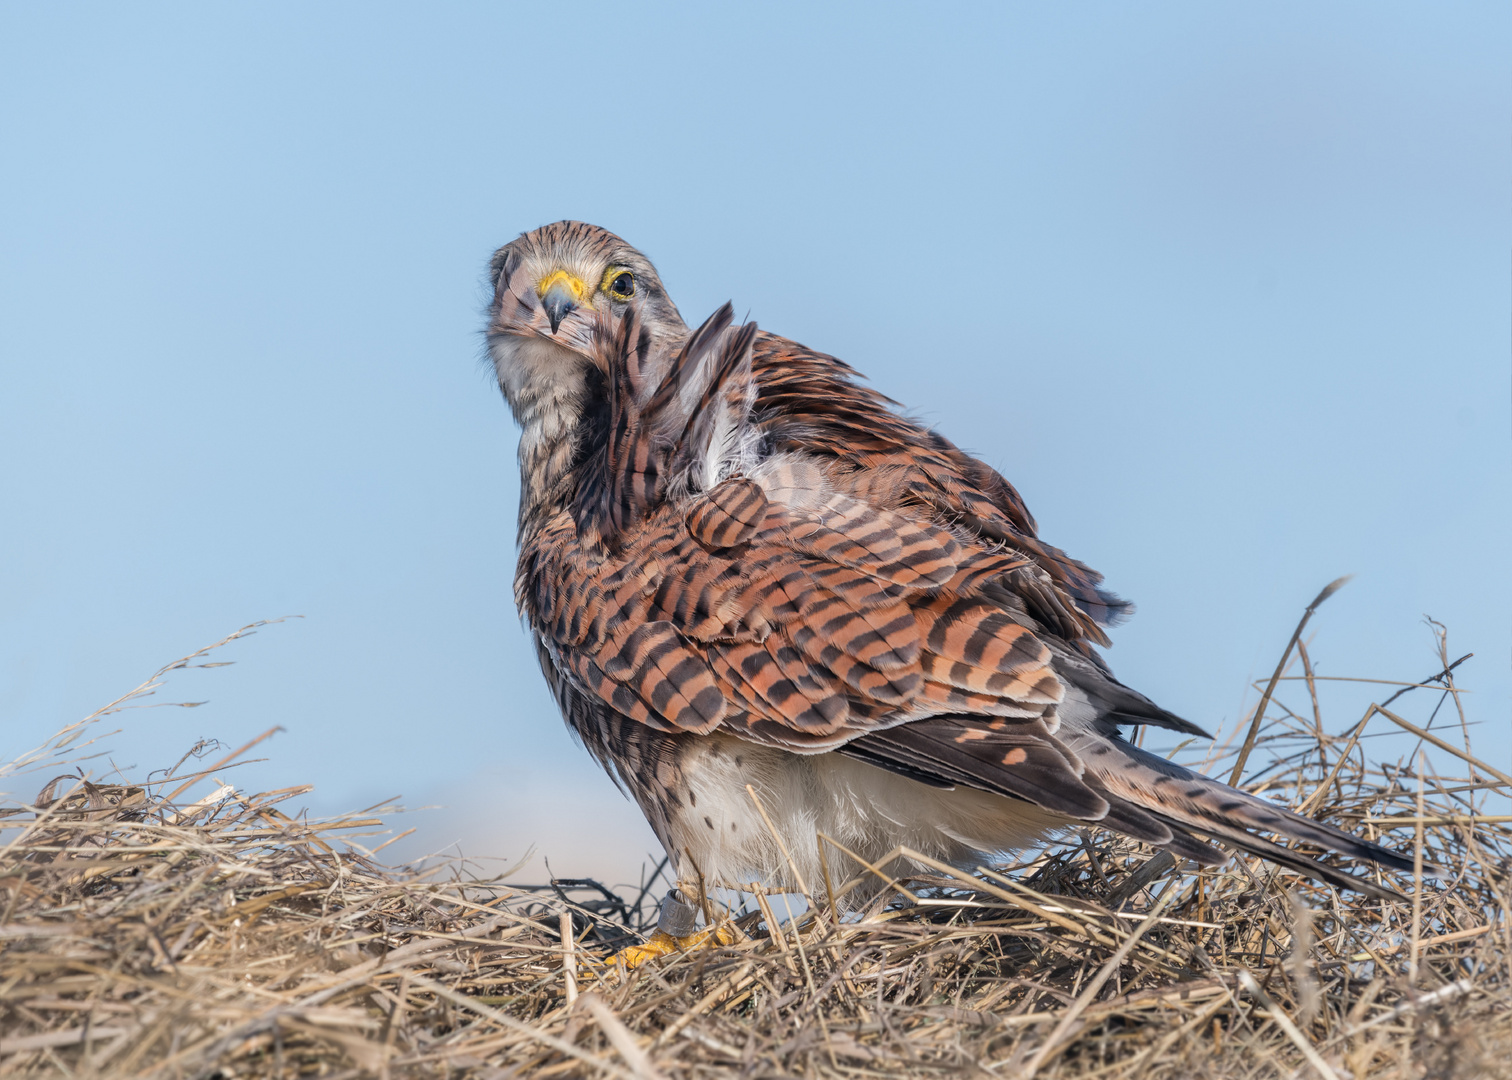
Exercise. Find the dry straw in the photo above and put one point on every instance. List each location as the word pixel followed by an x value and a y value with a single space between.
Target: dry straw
pixel 147 932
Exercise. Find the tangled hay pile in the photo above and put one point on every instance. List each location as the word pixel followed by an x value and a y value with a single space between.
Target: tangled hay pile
pixel 148 934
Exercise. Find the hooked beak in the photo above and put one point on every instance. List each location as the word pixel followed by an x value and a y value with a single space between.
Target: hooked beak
pixel 560 296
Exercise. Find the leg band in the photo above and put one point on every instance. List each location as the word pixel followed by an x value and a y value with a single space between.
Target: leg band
pixel 679 917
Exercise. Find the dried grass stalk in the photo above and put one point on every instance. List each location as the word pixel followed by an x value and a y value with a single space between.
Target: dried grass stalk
pixel 148 934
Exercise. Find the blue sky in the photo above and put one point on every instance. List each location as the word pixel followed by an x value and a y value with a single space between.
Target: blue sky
pixel 1222 288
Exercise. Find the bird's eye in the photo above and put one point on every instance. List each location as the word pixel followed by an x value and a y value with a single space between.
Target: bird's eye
pixel 621 286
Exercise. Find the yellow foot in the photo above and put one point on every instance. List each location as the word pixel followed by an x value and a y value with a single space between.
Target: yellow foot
pixel 662 943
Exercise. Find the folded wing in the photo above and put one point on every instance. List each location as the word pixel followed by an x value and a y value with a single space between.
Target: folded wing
pixel 795 578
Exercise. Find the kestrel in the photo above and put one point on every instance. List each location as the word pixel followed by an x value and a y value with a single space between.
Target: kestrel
pixel 743 568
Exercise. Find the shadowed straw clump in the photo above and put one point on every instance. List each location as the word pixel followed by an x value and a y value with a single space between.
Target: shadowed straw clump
pixel 149 932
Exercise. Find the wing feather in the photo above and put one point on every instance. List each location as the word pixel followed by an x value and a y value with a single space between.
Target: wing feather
pixel 859 585
pixel 1021 760
pixel 729 514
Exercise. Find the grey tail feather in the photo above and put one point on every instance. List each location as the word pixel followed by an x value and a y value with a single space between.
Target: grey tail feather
pixel 1130 820
pixel 1303 864
pixel 1192 802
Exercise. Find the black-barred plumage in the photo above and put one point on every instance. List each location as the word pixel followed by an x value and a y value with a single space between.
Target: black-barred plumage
pixel 741 567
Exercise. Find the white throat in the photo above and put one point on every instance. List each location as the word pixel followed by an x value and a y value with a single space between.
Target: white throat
pixel 544 384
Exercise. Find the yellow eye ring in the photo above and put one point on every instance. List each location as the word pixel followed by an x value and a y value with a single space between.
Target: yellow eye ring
pixel 619 283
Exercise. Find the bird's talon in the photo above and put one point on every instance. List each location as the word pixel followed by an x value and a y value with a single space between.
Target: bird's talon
pixel 662 944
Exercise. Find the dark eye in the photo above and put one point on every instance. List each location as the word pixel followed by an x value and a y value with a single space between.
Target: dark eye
pixel 623 285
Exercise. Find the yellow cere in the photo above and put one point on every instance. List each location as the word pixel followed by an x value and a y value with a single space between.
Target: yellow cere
pixel 572 284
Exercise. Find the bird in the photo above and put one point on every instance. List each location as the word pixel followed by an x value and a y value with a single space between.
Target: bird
pixel 776 609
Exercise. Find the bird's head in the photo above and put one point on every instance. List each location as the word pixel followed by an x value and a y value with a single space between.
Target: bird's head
pixel 554 288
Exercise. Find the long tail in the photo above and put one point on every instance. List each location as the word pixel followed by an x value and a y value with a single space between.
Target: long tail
pixel 1088 775
pixel 1188 802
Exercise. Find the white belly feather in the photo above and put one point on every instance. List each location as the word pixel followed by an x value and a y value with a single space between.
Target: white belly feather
pixel 719 833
